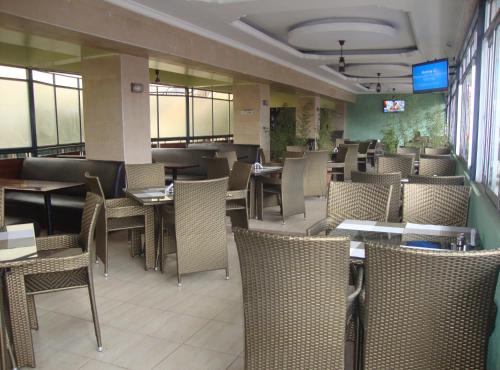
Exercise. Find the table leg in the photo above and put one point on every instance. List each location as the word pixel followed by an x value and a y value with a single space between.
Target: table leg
pixel 174 174
pixel 259 200
pixel 48 210
pixel 251 202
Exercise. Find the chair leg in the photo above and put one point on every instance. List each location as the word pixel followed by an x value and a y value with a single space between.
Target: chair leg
pixel 179 281
pixel 93 306
pixel 30 299
pixel 10 352
pixel 227 273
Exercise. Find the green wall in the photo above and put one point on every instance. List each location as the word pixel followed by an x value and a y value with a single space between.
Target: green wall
pixel 366 119
pixel 484 217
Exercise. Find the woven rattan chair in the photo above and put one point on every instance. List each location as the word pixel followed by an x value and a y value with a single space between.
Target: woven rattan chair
pixel 64 262
pixel 200 226
pixel 351 159
pixel 428 309
pixel 437 151
pixel 291 320
pixel 217 167
pixel 363 154
pixel 445 205
pixel 436 156
pixel 315 173
pixel 290 188
pixel 349 200
pixel 296 148
pixel 393 179
pixel 400 163
pixel 237 204
pixel 437 167
pixel 437 180
pixel 293 154
pixel 231 157
pixel 409 150
pixel 141 176
pixel 121 214
pixel 338 173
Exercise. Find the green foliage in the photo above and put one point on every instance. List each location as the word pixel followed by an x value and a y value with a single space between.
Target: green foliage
pixel 325 121
pixel 302 126
pixel 390 140
pixel 282 132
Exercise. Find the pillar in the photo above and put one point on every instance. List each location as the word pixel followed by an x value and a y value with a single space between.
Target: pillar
pixel 307 115
pixel 252 115
pixel 117 125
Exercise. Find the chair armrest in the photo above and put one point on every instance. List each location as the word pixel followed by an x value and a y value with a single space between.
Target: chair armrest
pixel 320 226
pixel 57 242
pixel 124 207
pixel 121 202
pixel 57 264
pixel 236 194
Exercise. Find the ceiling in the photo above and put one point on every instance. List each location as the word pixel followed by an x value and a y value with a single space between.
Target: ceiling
pixel 381 36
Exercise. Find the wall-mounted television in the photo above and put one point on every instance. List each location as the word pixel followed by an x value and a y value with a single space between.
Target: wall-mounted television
pixel 394 106
pixel 430 76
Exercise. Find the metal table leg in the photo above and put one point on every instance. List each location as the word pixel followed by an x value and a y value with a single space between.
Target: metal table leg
pixel 48 212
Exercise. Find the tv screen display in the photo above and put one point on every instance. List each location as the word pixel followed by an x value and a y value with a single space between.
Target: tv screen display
pixel 430 76
pixel 394 106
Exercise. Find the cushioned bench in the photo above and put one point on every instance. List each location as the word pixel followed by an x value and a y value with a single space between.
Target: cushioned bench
pixel 245 152
pixel 183 155
pixel 67 204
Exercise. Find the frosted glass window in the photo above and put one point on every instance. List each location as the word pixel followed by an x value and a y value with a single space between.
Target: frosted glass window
pixel 202 117
pixel 45 115
pixel 221 117
pixel 223 96
pixel 43 77
pixel 152 116
pixel 82 117
pixel 14 115
pixel 64 80
pixel 12 72
pixel 68 115
pixel 231 117
pixel 172 116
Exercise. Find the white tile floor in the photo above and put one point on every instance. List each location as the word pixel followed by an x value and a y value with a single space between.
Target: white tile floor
pixel 147 322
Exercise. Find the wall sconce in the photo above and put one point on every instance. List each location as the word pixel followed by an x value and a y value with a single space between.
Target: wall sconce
pixel 136 87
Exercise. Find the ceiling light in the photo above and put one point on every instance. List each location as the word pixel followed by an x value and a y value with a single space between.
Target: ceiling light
pixel 341 59
pixel 157 79
pixel 379 86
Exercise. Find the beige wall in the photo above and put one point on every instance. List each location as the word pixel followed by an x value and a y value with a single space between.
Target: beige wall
pixel 116 120
pixel 252 115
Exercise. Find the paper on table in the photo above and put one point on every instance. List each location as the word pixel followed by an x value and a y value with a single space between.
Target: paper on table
pixel 360 225
pixel 454 229
pixel 150 195
pixel 357 249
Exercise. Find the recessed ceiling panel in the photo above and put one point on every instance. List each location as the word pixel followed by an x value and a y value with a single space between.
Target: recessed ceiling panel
pixel 371 70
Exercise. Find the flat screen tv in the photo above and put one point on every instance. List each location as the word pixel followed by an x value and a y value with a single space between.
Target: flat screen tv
pixel 394 106
pixel 430 76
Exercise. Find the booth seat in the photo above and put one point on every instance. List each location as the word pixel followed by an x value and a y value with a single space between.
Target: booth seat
pixel 184 155
pixel 244 152
pixel 67 205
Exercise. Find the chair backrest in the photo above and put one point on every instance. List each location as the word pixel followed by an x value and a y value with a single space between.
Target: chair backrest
pixel 296 148
pixel 351 159
pixel 149 175
pixel 262 156
pixel 435 156
pixel 437 167
pixel 94 185
pixel 91 209
pixel 341 154
pixel 293 154
pixel 292 321
pixel 437 151
pixel 373 144
pixel 363 147
pixel 200 225
pixel 428 309
pixel 437 180
pixel 217 168
pixel 231 157
pixel 349 200
pixel 315 171
pixel 409 150
pixel 446 205
pixel 240 176
pixel 292 186
pixel 402 163
pixel 393 179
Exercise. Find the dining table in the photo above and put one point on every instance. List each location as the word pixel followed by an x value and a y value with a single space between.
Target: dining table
pixel 17 249
pixel 175 166
pixel 44 187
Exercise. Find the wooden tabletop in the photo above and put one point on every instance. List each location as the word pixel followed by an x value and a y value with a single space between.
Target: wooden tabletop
pixel 179 165
pixel 36 186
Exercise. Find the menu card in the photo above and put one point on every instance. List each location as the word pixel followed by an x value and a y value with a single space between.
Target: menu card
pixel 17 243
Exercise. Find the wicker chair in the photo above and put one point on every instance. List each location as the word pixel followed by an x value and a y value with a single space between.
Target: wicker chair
pixel 436 156
pixel 393 179
pixel 363 151
pixel 409 150
pixel 351 159
pixel 400 163
pixel 437 167
pixel 349 200
pixel 64 262
pixel 315 173
pixel 296 148
pixel 445 205
pixel 217 167
pixel 437 151
pixel 428 309
pixel 200 226
pixel 437 180
pixel 291 320
pixel 141 176
pixel 290 188
pixel 293 154
pixel 231 157
pixel 237 205
pixel 122 214
pixel 340 158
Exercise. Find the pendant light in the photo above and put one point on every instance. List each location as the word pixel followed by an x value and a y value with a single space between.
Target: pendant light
pixel 157 79
pixel 341 59
pixel 379 86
